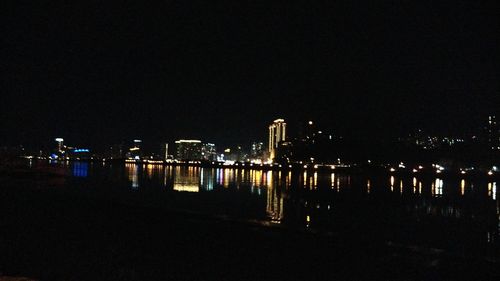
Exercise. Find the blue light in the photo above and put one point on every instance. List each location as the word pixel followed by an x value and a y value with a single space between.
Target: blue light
pixel 81 150
pixel 80 169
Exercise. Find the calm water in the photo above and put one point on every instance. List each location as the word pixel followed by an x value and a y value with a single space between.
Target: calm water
pixel 453 213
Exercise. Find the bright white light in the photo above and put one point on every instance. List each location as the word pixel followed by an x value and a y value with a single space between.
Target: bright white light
pixel 188 141
pixel 392 169
pixel 59 139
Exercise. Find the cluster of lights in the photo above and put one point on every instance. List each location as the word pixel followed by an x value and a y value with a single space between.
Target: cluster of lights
pixel 440 169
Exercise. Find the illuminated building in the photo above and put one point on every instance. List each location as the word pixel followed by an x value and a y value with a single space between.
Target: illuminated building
pixel 135 151
pixel 116 151
pixel 208 152
pixel 257 151
pixel 235 154
pixel 493 133
pixel 187 150
pixel 166 151
pixel 277 134
pixel 79 154
pixel 60 144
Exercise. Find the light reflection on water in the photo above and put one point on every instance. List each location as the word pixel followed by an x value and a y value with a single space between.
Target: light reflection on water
pixel 80 169
pixel 327 200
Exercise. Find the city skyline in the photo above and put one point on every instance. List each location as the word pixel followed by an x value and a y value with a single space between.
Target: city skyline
pixel 250 140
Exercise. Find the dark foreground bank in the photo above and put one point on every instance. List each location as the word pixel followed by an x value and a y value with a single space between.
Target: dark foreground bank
pixel 52 233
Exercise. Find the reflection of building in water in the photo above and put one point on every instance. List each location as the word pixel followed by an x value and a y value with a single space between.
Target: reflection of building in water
pixel 337 181
pixel 80 169
pixel 492 190
pixel 437 187
pixel 187 179
pixel 168 176
pixel 274 205
pixel 224 177
pixel 228 177
pixel 133 174
pixel 153 170
pixel 207 179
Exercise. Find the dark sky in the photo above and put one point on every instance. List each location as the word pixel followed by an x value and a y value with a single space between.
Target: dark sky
pixel 98 72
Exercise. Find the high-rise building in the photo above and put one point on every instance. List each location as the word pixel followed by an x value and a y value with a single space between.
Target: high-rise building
pixel 60 144
pixel 164 150
pixel 208 152
pixel 135 151
pixel 257 150
pixel 493 133
pixel 277 134
pixel 188 150
pixel 117 151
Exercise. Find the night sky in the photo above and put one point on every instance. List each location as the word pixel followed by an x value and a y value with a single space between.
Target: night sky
pixel 98 73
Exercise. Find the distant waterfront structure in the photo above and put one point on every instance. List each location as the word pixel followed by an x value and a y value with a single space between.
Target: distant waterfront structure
pixel 188 150
pixel 277 134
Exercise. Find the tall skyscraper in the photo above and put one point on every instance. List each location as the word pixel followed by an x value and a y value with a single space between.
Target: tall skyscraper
pixel 188 150
pixel 257 151
pixel 277 134
pixel 135 151
pixel 209 152
pixel 60 144
pixel 493 133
